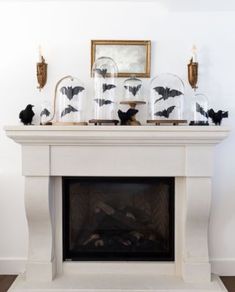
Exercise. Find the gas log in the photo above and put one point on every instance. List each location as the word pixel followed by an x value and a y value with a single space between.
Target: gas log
pixel 120 228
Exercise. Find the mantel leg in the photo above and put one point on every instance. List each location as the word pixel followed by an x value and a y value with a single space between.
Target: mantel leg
pixel 38 199
pixel 196 266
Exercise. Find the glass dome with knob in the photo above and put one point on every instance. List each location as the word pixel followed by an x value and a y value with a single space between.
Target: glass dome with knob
pixel 46 113
pixel 199 110
pixel 166 100
pixel 132 98
pixel 69 102
pixel 105 99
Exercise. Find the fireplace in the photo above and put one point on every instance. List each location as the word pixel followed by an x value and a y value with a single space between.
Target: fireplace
pixel 114 176
pixel 120 219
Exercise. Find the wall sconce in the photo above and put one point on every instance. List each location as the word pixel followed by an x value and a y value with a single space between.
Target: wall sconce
pixel 41 71
pixel 193 69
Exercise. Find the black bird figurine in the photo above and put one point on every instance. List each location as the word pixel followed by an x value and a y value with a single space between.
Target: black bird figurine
pixel 26 115
pixel 217 117
pixel 128 118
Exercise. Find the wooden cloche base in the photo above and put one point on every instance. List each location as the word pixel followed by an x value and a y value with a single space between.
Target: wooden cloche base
pixel 102 122
pixel 132 103
pixel 174 122
pixel 69 124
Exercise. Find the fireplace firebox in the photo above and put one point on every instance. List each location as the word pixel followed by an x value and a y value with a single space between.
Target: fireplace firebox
pixel 118 218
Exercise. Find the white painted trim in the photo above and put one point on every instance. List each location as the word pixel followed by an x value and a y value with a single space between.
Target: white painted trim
pixel 12 266
pixel 223 266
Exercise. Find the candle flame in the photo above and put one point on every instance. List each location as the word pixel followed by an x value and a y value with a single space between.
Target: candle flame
pixel 194 54
pixel 194 49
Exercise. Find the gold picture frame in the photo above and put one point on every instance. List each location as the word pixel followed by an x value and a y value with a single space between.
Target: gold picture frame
pixel 133 57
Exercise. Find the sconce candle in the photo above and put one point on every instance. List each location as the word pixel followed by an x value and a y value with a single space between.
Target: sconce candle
pixel 40 53
pixel 194 54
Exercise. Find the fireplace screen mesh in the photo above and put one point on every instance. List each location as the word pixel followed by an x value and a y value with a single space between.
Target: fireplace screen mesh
pixel 118 219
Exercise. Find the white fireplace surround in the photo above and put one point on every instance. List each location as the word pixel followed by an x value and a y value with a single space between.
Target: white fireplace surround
pixel 51 152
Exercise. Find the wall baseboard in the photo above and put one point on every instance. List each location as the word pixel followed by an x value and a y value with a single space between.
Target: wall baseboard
pixel 14 266
pixel 223 267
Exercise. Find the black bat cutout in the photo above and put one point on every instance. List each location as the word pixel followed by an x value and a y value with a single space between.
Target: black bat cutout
pixel 101 72
pixel 125 117
pixel 108 86
pixel 133 89
pixel 102 101
pixel 70 91
pixel 217 117
pixel 201 110
pixel 165 113
pixel 68 110
pixel 166 93
pixel 45 112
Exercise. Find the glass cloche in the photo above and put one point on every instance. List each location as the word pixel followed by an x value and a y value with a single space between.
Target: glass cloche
pixel 46 113
pixel 166 101
pixel 199 110
pixel 105 72
pixel 133 89
pixel 69 102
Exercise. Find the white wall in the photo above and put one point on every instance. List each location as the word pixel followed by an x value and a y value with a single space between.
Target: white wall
pixel 64 29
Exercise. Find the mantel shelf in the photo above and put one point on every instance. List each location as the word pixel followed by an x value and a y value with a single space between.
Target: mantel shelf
pixel 116 135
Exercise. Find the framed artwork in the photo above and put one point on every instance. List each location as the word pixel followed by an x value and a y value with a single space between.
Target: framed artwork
pixel 131 57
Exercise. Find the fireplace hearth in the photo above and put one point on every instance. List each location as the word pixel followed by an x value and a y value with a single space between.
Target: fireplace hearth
pixel 121 219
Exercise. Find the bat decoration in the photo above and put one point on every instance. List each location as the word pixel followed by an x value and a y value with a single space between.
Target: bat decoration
pixel 133 89
pixel 108 86
pixel 71 91
pixel 102 101
pixel 68 110
pixel 45 112
pixel 217 117
pixel 165 113
pixel 201 110
pixel 101 72
pixel 127 117
pixel 166 92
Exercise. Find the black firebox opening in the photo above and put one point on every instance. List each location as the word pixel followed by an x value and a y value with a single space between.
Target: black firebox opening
pixel 118 218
